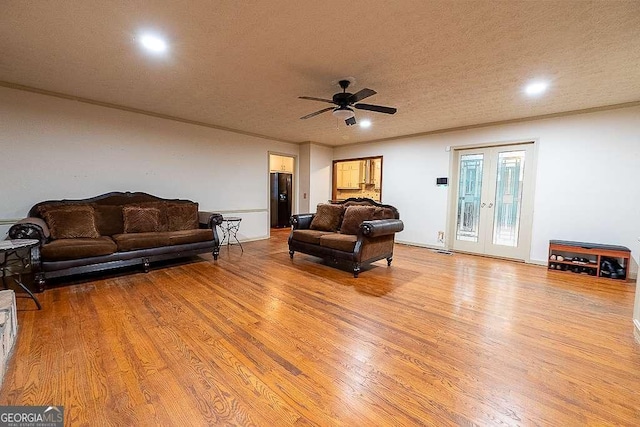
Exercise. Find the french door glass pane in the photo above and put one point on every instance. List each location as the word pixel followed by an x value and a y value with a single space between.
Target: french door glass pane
pixel 469 193
pixel 506 223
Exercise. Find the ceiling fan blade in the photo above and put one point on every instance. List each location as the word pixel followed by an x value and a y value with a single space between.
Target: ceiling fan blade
pixel 317 112
pixel 311 98
pixel 376 108
pixel 360 95
pixel 350 121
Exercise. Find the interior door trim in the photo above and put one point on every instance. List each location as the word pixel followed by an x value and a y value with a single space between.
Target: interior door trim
pixel 294 185
pixel 453 172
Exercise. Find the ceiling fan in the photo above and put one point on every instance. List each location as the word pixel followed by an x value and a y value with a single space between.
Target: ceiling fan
pixel 345 103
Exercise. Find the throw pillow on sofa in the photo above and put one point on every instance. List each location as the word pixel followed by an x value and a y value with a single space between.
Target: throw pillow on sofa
pixel 109 219
pixel 139 219
pixel 70 221
pixel 327 218
pixel 353 217
pixel 161 205
pixel 182 216
pixel 384 213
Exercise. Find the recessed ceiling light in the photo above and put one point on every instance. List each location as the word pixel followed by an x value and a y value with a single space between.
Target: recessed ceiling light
pixel 365 123
pixel 153 43
pixel 536 88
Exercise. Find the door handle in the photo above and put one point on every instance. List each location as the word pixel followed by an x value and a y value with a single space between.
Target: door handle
pixel 491 204
pixel 482 205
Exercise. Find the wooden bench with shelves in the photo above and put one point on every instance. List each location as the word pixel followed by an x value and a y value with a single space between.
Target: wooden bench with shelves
pixel 583 257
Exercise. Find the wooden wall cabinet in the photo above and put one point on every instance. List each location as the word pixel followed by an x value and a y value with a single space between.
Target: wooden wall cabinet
pixel 349 175
pixel 280 164
pixel 377 174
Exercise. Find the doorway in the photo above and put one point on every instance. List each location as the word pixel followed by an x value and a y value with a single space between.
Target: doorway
pixel 281 170
pixel 493 196
pixel 361 177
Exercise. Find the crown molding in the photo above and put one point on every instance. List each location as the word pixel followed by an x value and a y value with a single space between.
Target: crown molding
pixel 137 111
pixel 500 122
pixel 333 146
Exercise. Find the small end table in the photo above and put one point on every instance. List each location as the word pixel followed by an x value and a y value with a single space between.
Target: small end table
pixel 230 226
pixel 15 260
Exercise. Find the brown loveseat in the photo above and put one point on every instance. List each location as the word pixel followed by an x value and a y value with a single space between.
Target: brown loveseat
pixel 114 230
pixel 357 230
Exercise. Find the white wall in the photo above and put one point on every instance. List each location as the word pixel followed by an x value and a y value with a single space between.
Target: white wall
pixel 304 177
pixel 55 148
pixel 320 175
pixel 586 186
pixel 636 312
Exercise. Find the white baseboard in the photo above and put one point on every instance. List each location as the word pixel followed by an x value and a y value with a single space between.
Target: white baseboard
pixel 253 239
pixel 636 329
pixel 421 245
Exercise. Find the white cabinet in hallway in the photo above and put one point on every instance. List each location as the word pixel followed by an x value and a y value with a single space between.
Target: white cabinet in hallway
pixel 280 163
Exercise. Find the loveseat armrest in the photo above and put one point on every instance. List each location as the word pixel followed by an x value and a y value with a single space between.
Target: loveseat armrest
pixel 381 227
pixel 301 221
pixel 209 219
pixel 30 228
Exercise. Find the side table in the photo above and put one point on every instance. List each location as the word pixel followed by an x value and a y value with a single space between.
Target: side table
pixel 15 259
pixel 230 226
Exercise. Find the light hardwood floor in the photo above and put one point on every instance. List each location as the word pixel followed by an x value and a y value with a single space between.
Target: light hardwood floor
pixel 258 339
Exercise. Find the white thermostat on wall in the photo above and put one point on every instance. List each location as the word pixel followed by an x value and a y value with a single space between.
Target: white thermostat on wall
pixel 440 182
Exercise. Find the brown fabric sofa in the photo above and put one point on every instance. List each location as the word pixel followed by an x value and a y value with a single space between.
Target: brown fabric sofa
pixel 357 230
pixel 114 230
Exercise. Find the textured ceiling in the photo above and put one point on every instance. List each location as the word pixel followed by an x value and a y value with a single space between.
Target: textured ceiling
pixel 242 64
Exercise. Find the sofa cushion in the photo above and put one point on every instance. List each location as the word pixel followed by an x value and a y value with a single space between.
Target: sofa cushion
pixel 71 221
pixel 66 249
pixel 340 242
pixel 309 236
pixel 161 206
pixel 353 217
pixel 135 241
pixel 327 218
pixel 109 220
pixel 354 203
pixel 182 237
pixel 139 219
pixel 380 213
pixel 384 213
pixel 182 216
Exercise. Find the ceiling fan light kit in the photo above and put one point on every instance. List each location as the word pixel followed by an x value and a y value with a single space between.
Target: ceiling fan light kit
pixel 345 103
pixel 343 113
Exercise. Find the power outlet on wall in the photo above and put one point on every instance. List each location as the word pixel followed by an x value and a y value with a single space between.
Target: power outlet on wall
pixel 440 236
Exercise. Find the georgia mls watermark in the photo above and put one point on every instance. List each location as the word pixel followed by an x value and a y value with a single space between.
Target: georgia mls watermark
pixel 31 416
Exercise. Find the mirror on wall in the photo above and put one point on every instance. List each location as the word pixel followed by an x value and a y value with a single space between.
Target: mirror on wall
pixel 361 177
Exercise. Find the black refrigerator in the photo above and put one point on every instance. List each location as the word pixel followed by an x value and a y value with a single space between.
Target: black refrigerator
pixel 280 199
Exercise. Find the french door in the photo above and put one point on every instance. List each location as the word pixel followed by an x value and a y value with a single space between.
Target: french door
pixel 494 200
